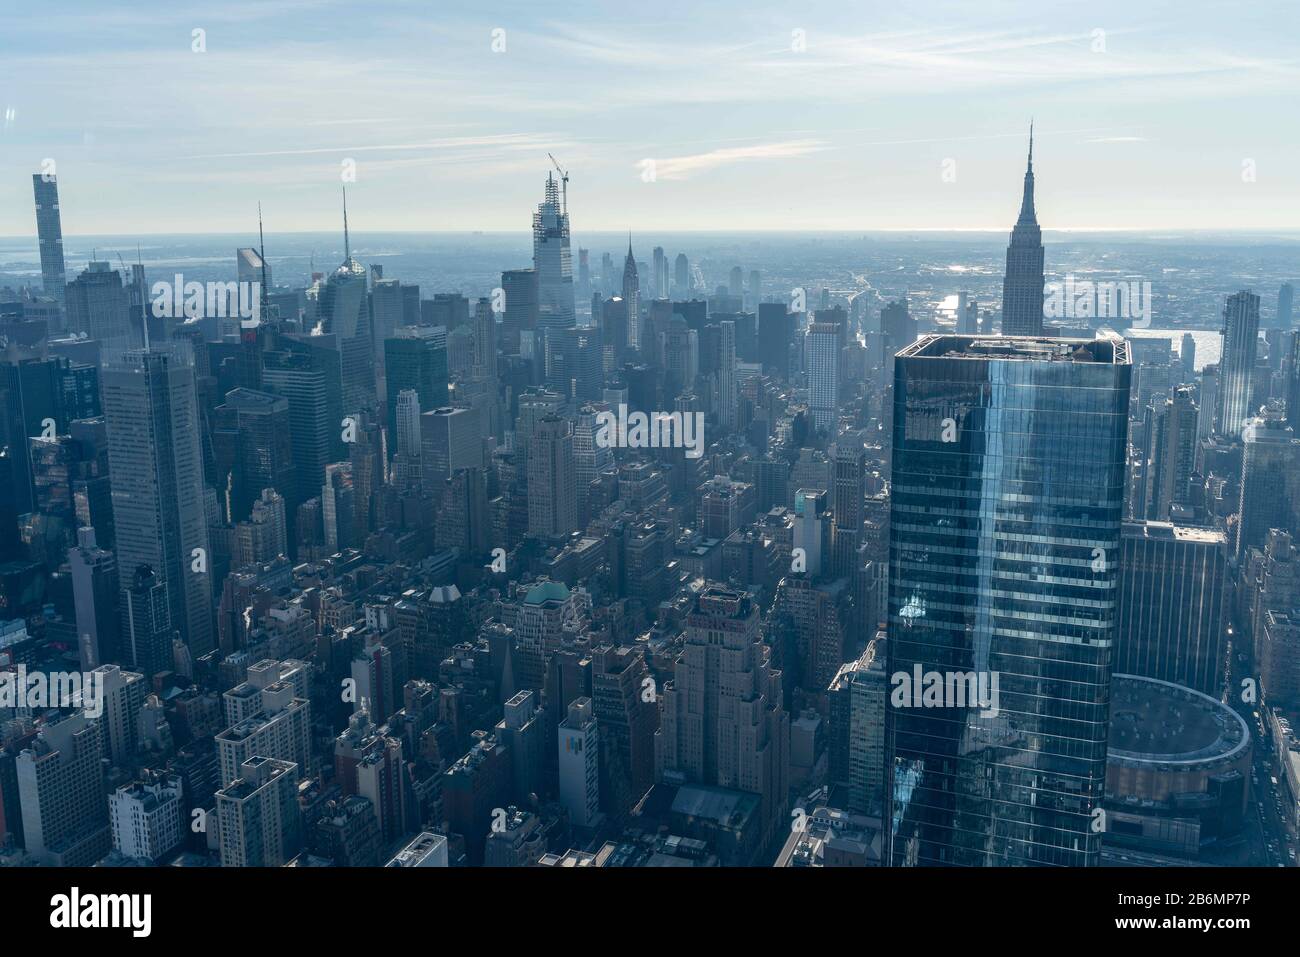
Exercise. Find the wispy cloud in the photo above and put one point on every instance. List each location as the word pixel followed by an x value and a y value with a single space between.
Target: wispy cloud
pixel 684 167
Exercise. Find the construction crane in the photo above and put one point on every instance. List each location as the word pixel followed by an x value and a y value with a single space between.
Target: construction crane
pixel 564 182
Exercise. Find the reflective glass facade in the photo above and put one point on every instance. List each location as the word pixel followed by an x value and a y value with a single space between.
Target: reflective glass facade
pixel 1006 505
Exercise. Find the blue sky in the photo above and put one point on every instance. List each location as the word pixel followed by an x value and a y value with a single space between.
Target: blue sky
pixel 1148 124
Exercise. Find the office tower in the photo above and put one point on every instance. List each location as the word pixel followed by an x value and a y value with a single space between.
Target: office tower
pixel 775 334
pixel 681 351
pixel 728 396
pixel 590 458
pixel 406 424
pixel 250 269
pixel 98 304
pixel 848 492
pixel 549 609
pixel 810 533
pixel 1206 421
pixel 49 235
pixel 387 308
pixel 899 328
pixel 1285 295
pixel 123 694
pixel 253 449
pixel 61 792
pixel 305 371
pixel 632 298
pixel 146 622
pixel 519 287
pixel 95 593
pixel 1270 482
pixel 264 536
pixel 579 757
pixel 552 262
pixel 381 780
pixel 1005 509
pixel 281 729
pixel 485 342
pixel 415 358
pixel 463 520
pixel 724 723
pixel 755 290
pixel 628 718
pixel 858 696
pixel 552 502
pixel 148 817
pixel 809 630
pixel 259 822
pixel 736 284
pixel 1240 338
pixel 344 314
pixel 575 363
pixel 659 284
pixel 1172 605
pixel 1172 454
pixel 967 315
pixel 153 452
pixel 472 789
pixel 1022 286
pixel 523 731
pixel 822 348
pixel 450 439
pixel 724 505
pixel 681 275
pixel 1187 358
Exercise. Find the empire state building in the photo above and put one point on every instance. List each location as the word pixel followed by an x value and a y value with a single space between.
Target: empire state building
pixel 1022 286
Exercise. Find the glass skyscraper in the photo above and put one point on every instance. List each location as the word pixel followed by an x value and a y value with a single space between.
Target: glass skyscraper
pixel 1240 337
pixel 49 232
pixel 1005 515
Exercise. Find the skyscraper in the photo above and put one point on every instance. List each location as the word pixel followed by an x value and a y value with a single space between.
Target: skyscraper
pixel 552 261
pixel 49 234
pixel 1005 512
pixel 1270 483
pixel 415 358
pixel 724 723
pixel 1240 337
pixel 552 501
pixel 345 313
pixel 153 451
pixel 632 298
pixel 727 395
pixel 99 305
pixel 1172 605
pixel 61 787
pixel 1022 286
pixel 822 348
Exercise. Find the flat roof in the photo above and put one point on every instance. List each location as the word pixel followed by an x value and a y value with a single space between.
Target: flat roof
pixel 1021 348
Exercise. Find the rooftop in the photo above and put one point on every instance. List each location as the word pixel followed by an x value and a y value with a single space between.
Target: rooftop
pixel 1022 348
pixel 1159 722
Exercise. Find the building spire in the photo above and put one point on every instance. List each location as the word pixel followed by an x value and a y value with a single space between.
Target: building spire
pixel 347 245
pixel 1027 214
pixel 261 254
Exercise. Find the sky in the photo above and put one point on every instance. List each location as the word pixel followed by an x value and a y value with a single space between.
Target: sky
pixel 668 115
